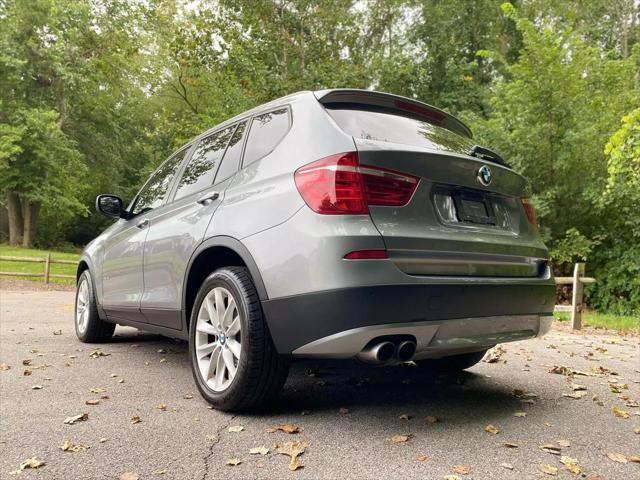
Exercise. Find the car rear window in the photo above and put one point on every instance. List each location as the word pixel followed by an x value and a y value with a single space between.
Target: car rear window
pixel 265 133
pixel 388 125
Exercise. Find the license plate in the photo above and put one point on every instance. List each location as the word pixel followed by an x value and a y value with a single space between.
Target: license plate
pixel 474 208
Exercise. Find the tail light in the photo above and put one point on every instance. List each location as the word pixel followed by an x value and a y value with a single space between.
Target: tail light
pixel 530 211
pixel 339 185
pixel 376 254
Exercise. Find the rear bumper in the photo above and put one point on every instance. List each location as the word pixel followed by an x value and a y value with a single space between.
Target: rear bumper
pixel 444 319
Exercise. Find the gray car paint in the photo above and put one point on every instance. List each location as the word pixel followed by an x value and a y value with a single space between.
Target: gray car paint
pixel 295 250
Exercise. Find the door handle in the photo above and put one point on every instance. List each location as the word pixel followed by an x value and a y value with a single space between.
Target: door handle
pixel 207 198
pixel 144 223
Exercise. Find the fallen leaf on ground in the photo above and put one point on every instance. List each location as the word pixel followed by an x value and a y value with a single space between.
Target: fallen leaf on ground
pixel 33 462
pixel 494 354
pixel 404 416
pixel 548 469
pixel 618 412
pixel 597 400
pixel 162 350
pixel 233 462
pixel 511 445
pixel 508 466
pixel 560 370
pixel 37 387
pixel 422 458
pixel 160 472
pixel 570 464
pixel 400 438
pixel 285 427
pixel 259 450
pixel 551 448
pixel 564 443
pixel 27 372
pixel 491 429
pixel 634 458
pixel 574 395
pixel 188 396
pixel 520 414
pixel 293 450
pixel 93 401
pixel 4 367
pixel 452 477
pixel 76 418
pixel 121 380
pixel 136 419
pixel 103 439
pixel 162 407
pixel 57 332
pixel 236 429
pixel 577 387
pixel 69 446
pixel 637 431
pixel 617 457
pixel 461 469
pixel 98 353
pixel 26 362
pixel 431 419
pixel 129 476
pixel 344 411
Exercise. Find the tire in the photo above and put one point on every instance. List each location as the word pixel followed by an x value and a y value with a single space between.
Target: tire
pixel 259 372
pixel 90 328
pixel 453 363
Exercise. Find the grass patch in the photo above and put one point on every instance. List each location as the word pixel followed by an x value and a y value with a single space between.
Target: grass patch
pixel 610 321
pixel 37 268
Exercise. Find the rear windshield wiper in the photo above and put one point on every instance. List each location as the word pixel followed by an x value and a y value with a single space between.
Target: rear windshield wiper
pixel 485 153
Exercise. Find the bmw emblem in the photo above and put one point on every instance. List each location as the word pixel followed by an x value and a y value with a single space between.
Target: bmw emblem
pixel 484 176
pixel 222 338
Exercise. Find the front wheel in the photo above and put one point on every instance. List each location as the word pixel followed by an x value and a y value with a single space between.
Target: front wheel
pixel 233 359
pixel 453 362
pixel 90 328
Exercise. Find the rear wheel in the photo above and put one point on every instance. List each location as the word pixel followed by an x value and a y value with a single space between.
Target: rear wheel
pixel 233 359
pixel 90 328
pixel 453 362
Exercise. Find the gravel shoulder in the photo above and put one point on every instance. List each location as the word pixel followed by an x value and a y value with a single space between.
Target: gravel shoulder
pixel 348 412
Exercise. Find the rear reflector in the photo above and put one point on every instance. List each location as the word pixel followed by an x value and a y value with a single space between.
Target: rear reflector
pixel 530 211
pixel 366 255
pixel 338 185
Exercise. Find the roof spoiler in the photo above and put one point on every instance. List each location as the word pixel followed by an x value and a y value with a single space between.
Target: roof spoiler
pixel 416 109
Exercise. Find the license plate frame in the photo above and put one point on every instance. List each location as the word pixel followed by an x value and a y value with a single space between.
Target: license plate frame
pixel 474 208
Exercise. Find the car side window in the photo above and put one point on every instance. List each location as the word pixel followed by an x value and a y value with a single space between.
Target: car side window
pixel 154 191
pixel 232 156
pixel 203 165
pixel 265 133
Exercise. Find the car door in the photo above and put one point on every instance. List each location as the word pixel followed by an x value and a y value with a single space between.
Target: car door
pixel 175 232
pixel 122 274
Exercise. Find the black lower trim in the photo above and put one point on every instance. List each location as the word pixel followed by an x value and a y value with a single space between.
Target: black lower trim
pixel 297 320
pixel 147 327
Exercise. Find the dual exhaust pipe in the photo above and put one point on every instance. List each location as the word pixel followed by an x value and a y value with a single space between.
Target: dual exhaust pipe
pixel 386 351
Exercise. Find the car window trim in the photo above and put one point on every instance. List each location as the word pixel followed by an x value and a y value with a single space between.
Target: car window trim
pixel 197 142
pixel 290 117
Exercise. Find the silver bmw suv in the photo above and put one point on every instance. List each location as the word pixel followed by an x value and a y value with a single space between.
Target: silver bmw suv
pixel 328 224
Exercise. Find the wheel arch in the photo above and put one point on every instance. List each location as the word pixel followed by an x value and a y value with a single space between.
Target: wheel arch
pixel 213 253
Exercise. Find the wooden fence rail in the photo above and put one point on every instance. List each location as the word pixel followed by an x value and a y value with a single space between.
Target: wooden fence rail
pixel 46 275
pixel 578 280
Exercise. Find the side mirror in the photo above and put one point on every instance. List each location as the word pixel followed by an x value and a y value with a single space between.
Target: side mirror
pixel 110 206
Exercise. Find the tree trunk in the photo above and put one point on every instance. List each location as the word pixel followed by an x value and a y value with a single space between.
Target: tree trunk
pixel 16 224
pixel 31 213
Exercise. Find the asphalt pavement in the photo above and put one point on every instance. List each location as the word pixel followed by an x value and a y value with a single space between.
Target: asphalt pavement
pixel 146 420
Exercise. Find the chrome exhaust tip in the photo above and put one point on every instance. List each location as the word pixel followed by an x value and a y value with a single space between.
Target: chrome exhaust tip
pixel 378 353
pixel 406 350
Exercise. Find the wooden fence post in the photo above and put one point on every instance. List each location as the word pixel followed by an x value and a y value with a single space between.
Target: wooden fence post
pixel 47 267
pixel 576 303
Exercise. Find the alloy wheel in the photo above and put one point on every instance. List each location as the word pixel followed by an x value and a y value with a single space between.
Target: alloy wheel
pixel 82 306
pixel 218 339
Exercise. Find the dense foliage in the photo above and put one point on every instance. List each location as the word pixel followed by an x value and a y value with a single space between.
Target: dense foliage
pixel 95 93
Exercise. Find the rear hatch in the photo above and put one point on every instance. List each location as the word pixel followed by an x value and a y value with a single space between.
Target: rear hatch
pixel 466 216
